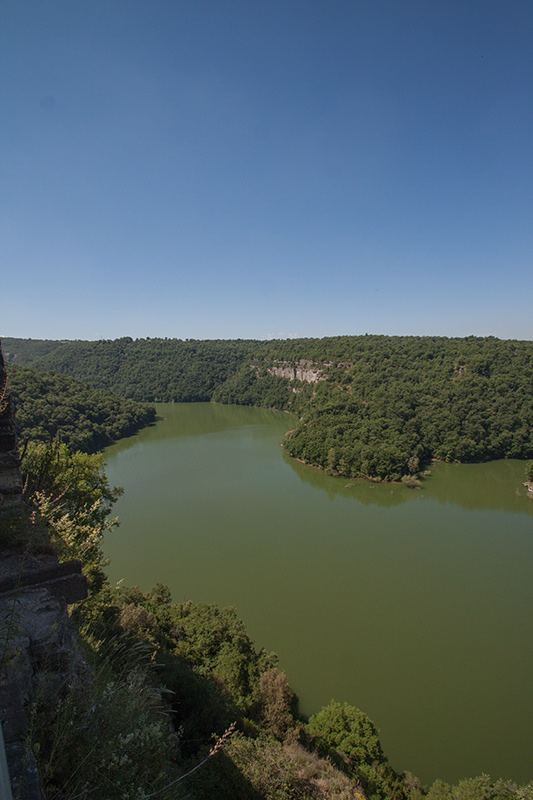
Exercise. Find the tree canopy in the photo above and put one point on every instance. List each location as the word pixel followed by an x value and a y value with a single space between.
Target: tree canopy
pixel 368 406
pixel 85 418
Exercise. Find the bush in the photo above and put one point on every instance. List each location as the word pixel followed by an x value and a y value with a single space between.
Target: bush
pixel 277 703
pixel 349 731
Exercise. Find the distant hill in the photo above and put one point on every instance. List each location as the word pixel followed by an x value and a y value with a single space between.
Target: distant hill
pixel 369 406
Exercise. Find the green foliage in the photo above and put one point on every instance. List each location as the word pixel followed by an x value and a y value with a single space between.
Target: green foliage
pixel 71 493
pixel 529 471
pixel 411 481
pixel 253 387
pixel 77 481
pixel 348 732
pixel 106 732
pixel 145 369
pixel 278 704
pixel 205 657
pixel 480 788
pixel 382 407
pixel 88 419
pixel 106 737
pixel 214 641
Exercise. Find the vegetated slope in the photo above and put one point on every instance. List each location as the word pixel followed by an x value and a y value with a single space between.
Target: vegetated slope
pixel 386 409
pixel 163 370
pixel 369 406
pixel 86 419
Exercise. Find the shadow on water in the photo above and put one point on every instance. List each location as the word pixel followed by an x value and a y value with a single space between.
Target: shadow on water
pixel 365 492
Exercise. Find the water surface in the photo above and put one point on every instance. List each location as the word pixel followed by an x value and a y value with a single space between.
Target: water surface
pixel 415 605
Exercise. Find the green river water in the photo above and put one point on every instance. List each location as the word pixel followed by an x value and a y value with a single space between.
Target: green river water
pixel 415 605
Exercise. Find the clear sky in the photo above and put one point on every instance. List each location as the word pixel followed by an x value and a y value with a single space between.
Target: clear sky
pixel 266 168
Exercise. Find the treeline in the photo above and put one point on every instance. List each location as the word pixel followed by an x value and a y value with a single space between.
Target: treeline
pixel 379 407
pixel 85 418
pixel 149 370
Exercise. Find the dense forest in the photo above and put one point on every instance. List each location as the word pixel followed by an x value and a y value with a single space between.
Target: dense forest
pixel 85 418
pixel 374 407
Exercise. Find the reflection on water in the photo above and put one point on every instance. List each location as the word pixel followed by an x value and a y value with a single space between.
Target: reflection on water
pixel 415 605
pixel 498 485
pixel 194 419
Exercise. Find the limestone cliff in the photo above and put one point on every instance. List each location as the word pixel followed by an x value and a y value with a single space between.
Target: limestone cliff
pixel 305 371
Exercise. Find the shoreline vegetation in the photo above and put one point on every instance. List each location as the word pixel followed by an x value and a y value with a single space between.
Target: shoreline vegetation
pixel 372 407
pixel 169 679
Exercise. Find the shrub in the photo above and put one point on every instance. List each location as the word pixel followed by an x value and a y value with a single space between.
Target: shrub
pixel 277 703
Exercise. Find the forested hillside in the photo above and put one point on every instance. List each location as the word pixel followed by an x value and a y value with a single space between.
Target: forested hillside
pixel 369 406
pixel 85 418
pixel 163 370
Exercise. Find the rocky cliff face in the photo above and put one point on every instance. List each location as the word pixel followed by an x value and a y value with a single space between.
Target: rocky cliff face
pixel 305 371
pixel 41 656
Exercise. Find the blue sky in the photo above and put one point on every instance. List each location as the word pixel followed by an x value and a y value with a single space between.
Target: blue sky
pixel 266 168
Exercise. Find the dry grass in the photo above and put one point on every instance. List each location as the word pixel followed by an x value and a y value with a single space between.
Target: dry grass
pixel 287 771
